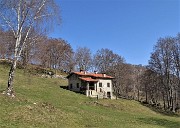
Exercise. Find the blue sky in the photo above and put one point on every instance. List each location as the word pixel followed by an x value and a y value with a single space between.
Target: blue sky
pixel 128 27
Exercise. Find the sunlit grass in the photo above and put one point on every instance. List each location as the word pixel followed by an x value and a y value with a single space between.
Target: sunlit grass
pixel 40 102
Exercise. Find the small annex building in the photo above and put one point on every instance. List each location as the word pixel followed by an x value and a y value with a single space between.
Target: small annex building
pixel 91 84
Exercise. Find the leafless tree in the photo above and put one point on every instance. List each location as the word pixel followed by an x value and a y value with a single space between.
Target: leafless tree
pixel 151 86
pixel 137 71
pixel 113 64
pixel 122 82
pixel 165 62
pixel 83 58
pixel 176 70
pixel 6 43
pixel 55 54
pixel 28 52
pixel 21 17
pixel 105 59
pixel 60 54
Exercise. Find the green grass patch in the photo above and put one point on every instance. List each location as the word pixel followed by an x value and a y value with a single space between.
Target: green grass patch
pixel 40 102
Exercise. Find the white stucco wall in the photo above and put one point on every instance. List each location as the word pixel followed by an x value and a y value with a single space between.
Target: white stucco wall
pixel 104 85
pixel 74 79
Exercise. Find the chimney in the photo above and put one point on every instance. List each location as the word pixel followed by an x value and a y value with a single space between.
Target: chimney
pixel 81 70
pixel 104 74
pixel 95 72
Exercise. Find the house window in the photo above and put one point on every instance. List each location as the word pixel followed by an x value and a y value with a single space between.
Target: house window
pixel 77 85
pixel 71 86
pixel 100 84
pixel 108 84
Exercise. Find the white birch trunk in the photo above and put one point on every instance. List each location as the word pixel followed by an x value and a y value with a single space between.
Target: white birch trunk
pixel 26 16
pixel 10 90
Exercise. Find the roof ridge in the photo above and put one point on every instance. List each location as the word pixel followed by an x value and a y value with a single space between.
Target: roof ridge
pixel 97 75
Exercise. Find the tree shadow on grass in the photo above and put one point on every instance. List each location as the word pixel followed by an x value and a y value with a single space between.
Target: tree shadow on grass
pixel 160 122
pixel 64 87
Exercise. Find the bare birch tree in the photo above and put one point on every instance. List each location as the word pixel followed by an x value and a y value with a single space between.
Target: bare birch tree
pixel 21 17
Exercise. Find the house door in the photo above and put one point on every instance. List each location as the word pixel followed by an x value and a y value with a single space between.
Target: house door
pixel 109 94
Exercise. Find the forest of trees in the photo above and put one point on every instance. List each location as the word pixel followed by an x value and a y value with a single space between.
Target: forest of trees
pixel 157 83
pixel 164 73
pixel 23 40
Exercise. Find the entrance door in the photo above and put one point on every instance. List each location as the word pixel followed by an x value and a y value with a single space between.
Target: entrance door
pixel 109 94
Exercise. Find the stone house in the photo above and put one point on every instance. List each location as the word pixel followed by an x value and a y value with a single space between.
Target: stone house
pixel 91 84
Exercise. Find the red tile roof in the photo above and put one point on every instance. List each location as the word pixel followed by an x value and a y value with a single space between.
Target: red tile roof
pixel 101 75
pixel 98 75
pixel 88 79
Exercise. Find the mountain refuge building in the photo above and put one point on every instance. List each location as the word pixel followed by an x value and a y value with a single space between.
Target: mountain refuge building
pixel 91 84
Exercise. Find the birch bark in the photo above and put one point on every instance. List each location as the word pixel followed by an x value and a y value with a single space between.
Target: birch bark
pixel 21 17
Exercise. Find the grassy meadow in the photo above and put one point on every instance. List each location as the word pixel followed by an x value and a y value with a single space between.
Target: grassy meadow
pixel 41 103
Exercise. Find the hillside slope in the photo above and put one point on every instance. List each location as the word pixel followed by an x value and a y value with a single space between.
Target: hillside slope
pixel 40 102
